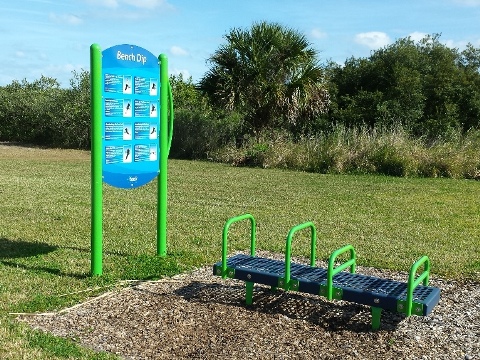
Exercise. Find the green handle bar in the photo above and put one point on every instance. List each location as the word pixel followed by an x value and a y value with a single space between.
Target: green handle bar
pixel 332 270
pixel 412 283
pixel 170 118
pixel 288 251
pixel 225 235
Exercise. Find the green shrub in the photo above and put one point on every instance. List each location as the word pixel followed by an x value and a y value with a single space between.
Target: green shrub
pixel 359 151
pixel 29 111
pixel 75 122
pixel 198 134
pixel 453 159
pixel 42 113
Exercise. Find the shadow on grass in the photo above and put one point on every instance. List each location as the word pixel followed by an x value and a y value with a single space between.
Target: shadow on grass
pixel 18 249
pixel 329 315
pixel 141 267
pixel 44 269
pixel 10 249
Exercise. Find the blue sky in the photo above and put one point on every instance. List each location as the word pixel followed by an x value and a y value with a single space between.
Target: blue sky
pixel 52 37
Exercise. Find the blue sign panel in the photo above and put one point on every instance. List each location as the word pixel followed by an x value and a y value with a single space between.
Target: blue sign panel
pixel 131 116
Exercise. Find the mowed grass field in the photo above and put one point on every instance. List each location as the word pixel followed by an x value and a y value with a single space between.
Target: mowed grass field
pixel 45 228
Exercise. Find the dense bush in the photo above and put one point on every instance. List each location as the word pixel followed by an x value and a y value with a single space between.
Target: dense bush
pixel 196 133
pixel 42 113
pixel 360 151
pixel 29 111
pixel 429 89
pixel 199 128
pixel 75 117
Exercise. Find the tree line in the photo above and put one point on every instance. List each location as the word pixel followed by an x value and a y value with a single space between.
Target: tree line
pixel 42 113
pixel 266 85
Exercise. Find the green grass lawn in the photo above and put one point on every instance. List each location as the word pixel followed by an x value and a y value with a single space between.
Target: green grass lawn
pixel 45 228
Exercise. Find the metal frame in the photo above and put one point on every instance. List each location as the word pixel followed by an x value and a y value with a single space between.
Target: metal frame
pixel 409 298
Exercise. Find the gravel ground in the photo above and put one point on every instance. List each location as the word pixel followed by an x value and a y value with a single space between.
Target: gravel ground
pixel 201 316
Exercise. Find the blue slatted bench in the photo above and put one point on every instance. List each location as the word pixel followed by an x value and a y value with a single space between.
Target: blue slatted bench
pixel 409 298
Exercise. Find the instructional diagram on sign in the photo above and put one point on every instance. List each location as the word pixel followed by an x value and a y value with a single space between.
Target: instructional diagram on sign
pixel 123 129
pixel 131 113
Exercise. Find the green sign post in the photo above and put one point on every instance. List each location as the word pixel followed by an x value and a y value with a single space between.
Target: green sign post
pixel 132 127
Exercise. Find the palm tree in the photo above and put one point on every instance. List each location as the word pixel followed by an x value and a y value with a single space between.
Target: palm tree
pixel 270 73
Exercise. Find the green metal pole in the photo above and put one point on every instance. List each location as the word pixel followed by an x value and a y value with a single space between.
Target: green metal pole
pixel 226 227
pixel 96 158
pixel 288 249
pixel 163 178
pixel 412 283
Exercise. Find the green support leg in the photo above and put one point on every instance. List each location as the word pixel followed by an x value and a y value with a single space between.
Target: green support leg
pixel 249 292
pixel 376 315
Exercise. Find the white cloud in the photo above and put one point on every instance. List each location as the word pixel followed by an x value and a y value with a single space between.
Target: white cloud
pixel 61 72
pixel 373 40
pixel 184 72
pixel 65 19
pixel 177 50
pixel 461 45
pixel 28 55
pixel 417 36
pixel 318 34
pixel 453 44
